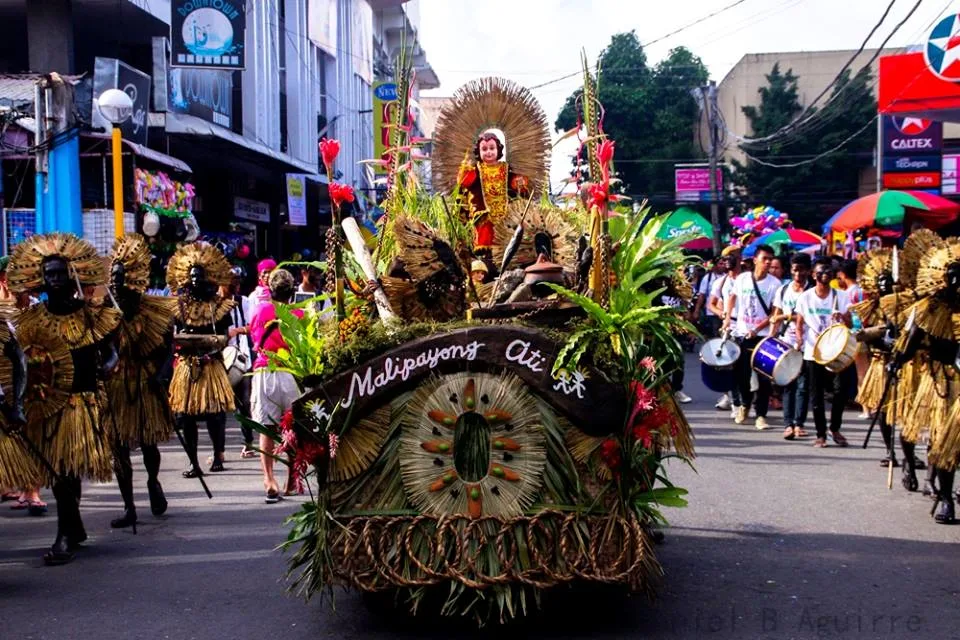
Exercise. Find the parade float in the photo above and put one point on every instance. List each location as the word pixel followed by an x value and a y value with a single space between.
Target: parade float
pixel 489 416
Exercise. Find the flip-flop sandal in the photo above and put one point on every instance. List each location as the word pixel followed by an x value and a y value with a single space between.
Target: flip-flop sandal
pixel 21 503
pixel 37 507
pixel 840 440
pixel 820 443
pixel 7 497
pixel 800 433
pixel 788 433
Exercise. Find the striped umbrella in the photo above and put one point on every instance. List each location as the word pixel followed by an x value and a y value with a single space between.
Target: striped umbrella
pixel 888 209
pixel 793 238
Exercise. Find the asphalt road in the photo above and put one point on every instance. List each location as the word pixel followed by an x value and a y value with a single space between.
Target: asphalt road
pixel 780 540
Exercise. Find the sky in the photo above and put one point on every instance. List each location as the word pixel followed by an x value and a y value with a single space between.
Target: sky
pixel 536 41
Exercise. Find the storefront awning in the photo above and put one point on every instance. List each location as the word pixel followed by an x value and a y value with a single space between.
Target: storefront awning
pixel 179 123
pixel 29 124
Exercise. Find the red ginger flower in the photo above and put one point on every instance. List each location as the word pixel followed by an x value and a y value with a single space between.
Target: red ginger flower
pixel 604 157
pixel 329 150
pixel 340 193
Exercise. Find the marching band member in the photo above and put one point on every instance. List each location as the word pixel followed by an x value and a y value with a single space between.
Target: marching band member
pixel 795 394
pixel 817 309
pixel 751 302
pixel 720 292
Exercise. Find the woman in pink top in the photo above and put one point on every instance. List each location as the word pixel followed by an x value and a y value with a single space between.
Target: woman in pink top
pixel 272 392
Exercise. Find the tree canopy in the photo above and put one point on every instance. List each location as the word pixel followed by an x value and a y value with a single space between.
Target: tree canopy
pixel 811 192
pixel 649 111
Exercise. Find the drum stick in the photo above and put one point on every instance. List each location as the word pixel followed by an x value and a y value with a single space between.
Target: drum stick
pixel 359 248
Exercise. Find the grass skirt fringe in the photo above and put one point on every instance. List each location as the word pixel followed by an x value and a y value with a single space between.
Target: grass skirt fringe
pixel 946 451
pixel 200 386
pixel 138 408
pixel 900 399
pixel 72 439
pixel 935 408
pixel 871 388
pixel 18 469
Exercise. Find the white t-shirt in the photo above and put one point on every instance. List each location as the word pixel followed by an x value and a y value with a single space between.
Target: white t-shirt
pixel 748 309
pixel 817 315
pixel 240 316
pixel 721 289
pixel 706 289
pixel 786 301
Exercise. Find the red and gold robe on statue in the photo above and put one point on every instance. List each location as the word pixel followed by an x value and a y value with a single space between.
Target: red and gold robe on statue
pixel 486 189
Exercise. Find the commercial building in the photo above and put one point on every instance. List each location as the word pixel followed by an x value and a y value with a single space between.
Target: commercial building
pixel 236 135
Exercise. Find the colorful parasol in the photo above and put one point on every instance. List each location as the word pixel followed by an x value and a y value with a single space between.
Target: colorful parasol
pixel 793 238
pixel 889 208
pixel 687 223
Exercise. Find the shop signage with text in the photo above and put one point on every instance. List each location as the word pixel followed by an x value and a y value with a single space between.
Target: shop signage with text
pixel 384 109
pixel 693 183
pixel 207 34
pixel 911 180
pixel 253 210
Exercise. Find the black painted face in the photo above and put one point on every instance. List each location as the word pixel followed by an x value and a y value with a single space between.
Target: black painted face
pixel 56 278
pixel 197 274
pixel 885 283
pixel 953 280
pixel 198 286
pixel 118 276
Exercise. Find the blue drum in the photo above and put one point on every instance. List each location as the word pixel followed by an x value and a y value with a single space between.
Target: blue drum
pixel 717 357
pixel 777 360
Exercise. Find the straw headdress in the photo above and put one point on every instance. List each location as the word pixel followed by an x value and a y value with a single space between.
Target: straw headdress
pixel 917 245
pixel 491 103
pixel 133 252
pixel 931 276
pixel 214 263
pixel 870 267
pixel 25 273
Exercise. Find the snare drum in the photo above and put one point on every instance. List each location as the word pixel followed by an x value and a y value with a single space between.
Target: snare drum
pixel 835 348
pixel 236 362
pixel 777 360
pixel 717 357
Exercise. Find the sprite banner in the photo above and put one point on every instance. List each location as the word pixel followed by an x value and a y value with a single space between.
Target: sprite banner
pixel 686 224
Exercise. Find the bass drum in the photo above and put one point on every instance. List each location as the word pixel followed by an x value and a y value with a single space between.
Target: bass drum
pixel 777 360
pixel 236 363
pixel 835 348
pixel 717 357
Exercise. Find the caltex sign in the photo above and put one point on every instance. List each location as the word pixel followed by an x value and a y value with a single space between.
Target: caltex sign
pixel 942 51
pixel 918 136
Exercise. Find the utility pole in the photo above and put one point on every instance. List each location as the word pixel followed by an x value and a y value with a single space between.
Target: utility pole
pixel 709 93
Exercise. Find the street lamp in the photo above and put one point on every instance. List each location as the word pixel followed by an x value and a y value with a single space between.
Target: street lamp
pixel 116 107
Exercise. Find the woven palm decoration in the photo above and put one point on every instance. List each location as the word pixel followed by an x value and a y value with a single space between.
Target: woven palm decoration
pixel 472 443
pixel 214 263
pixel 491 103
pixel 542 220
pixel 870 267
pixel 915 248
pixel 133 253
pixel 932 274
pixel 49 370
pixel 25 273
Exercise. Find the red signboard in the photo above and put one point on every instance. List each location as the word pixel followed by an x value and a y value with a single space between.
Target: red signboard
pixel 908 86
pixel 911 180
